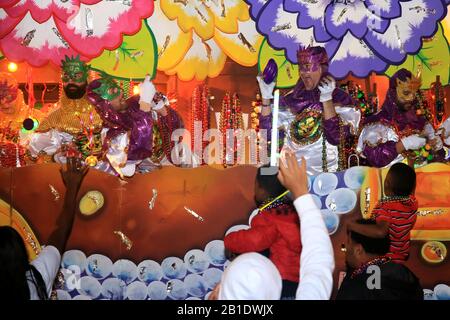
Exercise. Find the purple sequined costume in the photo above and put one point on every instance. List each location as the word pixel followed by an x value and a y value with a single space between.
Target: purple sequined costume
pixel 138 123
pixel 394 121
pixel 298 101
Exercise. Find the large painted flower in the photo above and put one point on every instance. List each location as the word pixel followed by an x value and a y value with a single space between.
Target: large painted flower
pixel 39 31
pixel 359 36
pixel 198 36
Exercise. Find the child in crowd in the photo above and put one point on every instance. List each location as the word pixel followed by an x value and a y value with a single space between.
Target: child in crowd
pixel 395 214
pixel 275 228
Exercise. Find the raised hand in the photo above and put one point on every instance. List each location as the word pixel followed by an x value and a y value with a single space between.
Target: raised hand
pixel 292 175
pixel 266 89
pixel 74 173
pixel 326 87
pixel 413 142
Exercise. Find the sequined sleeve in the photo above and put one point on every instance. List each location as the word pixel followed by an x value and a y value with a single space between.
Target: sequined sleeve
pixel 285 116
pixel 111 118
pixel 377 143
pixel 350 118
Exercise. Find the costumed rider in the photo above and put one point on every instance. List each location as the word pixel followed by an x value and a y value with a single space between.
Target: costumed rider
pixel 13 109
pixel 127 134
pixel 317 120
pixel 14 113
pixel 68 124
pixel 398 133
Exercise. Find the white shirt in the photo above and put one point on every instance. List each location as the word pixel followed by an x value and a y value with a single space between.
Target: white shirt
pixel 47 263
pixel 312 152
pixel 317 257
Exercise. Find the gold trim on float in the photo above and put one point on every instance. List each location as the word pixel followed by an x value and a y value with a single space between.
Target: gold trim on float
pixel 19 223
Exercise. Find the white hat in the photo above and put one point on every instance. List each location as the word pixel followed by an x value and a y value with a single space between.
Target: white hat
pixel 251 276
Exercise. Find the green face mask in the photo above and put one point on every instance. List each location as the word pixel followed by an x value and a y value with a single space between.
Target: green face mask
pixel 109 88
pixel 74 70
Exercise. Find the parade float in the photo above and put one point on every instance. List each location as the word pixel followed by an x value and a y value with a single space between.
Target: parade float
pixel 157 233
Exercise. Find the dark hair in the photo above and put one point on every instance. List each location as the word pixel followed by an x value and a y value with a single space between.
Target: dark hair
pixel 14 266
pixel 402 179
pixel 401 74
pixel 376 246
pixel 269 183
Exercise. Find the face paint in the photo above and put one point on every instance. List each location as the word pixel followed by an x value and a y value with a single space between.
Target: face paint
pixel 406 91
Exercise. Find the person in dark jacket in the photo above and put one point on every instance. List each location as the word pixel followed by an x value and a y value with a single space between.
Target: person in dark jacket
pixel 276 229
pixel 371 275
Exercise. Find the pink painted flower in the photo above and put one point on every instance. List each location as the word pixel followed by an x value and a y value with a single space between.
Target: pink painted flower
pixel 39 31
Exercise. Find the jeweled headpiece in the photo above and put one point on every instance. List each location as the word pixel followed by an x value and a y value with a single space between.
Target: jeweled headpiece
pixel 8 88
pixel 74 69
pixel 109 88
pixel 311 58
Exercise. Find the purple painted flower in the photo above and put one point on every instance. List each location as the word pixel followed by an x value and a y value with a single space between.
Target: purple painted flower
pixel 359 36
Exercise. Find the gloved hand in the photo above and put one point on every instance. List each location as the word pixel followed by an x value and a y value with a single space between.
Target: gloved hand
pixel 159 102
pixel 429 131
pixel 147 92
pixel 266 89
pixel 326 87
pixel 436 143
pixel 413 142
pixel 445 128
pixel 433 139
pixel 447 141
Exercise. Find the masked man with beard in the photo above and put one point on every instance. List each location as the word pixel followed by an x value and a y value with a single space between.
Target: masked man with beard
pixel 316 118
pixel 394 133
pixel 70 122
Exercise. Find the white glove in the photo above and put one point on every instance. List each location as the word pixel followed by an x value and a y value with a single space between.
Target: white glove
pixel 429 131
pixel 447 141
pixel 326 87
pixel 433 139
pixel 446 128
pixel 437 143
pixel 160 104
pixel 266 89
pixel 413 142
pixel 147 90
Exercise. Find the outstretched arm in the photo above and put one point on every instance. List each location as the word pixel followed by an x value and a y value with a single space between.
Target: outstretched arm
pixel 72 177
pixel 378 230
pixel 317 259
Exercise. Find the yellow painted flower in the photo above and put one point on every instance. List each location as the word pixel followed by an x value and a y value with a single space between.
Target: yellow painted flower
pixel 243 46
pixel 204 59
pixel 205 15
pixel 446 26
pixel 195 37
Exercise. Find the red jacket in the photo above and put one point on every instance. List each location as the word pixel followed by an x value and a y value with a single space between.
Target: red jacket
pixel 278 232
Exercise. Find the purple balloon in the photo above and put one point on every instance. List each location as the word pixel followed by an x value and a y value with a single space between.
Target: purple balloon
pixel 270 71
